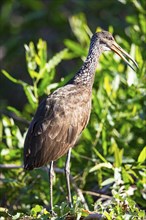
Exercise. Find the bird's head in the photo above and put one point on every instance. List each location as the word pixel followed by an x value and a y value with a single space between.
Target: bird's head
pixel 107 42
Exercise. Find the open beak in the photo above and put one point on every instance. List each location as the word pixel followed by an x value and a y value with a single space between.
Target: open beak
pixel 123 54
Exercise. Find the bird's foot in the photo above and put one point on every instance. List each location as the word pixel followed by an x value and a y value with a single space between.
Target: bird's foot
pixel 53 214
pixel 70 205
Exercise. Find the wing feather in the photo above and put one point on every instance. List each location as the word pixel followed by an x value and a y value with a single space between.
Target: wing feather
pixel 54 129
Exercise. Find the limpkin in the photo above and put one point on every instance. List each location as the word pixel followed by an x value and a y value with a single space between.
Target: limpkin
pixel 63 114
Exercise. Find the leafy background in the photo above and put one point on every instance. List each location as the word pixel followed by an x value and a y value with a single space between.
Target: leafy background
pixel 108 164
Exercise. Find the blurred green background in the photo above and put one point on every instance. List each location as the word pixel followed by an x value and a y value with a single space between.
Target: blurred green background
pixel 23 21
pixel 110 158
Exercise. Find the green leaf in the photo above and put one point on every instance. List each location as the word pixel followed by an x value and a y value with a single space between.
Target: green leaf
pixel 30 96
pixel 104 141
pixel 87 134
pixel 107 181
pixel 75 47
pixel 17 216
pixel 100 165
pixel 35 210
pixel 7 124
pixel 14 110
pixel 99 155
pixel 126 177
pixel 80 28
pixel 142 156
pixel 118 153
pixel 30 58
pixel 27 89
pixel 42 53
pixel 52 63
pixel 12 79
pixel 55 60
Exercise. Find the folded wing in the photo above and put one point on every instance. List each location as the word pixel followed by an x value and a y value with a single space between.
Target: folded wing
pixel 54 129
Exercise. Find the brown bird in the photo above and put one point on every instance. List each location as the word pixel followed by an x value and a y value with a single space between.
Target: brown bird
pixel 63 114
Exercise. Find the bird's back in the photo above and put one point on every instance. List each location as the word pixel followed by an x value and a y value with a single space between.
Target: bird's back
pixel 59 120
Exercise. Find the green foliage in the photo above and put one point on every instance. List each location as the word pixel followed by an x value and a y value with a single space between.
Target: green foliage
pixel 108 165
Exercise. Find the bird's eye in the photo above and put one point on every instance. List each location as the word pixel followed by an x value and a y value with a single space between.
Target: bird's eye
pixel 110 38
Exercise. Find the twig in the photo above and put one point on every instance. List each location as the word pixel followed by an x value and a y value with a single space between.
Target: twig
pixel 13 166
pixel 10 166
pixel 97 194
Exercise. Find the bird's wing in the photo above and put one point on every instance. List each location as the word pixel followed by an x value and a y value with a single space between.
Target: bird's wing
pixel 54 129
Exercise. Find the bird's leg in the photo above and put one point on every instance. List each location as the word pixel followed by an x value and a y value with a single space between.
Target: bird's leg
pixel 67 173
pixel 51 176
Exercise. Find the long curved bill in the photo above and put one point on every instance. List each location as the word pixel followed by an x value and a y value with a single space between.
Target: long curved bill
pixel 123 54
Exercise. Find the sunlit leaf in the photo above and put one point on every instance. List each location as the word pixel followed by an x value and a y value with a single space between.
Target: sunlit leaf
pixel 100 165
pixel 107 85
pixel 52 63
pixel 104 141
pixel 14 110
pixel 142 156
pixel 80 28
pixel 30 96
pixel 12 79
pixel 107 181
pixel 99 155
pixel 75 47
pixel 118 154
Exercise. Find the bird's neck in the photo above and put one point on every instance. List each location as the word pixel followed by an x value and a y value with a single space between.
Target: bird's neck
pixel 85 76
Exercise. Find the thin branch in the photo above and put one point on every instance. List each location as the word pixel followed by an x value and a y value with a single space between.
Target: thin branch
pixel 97 194
pixel 13 166
pixel 10 166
